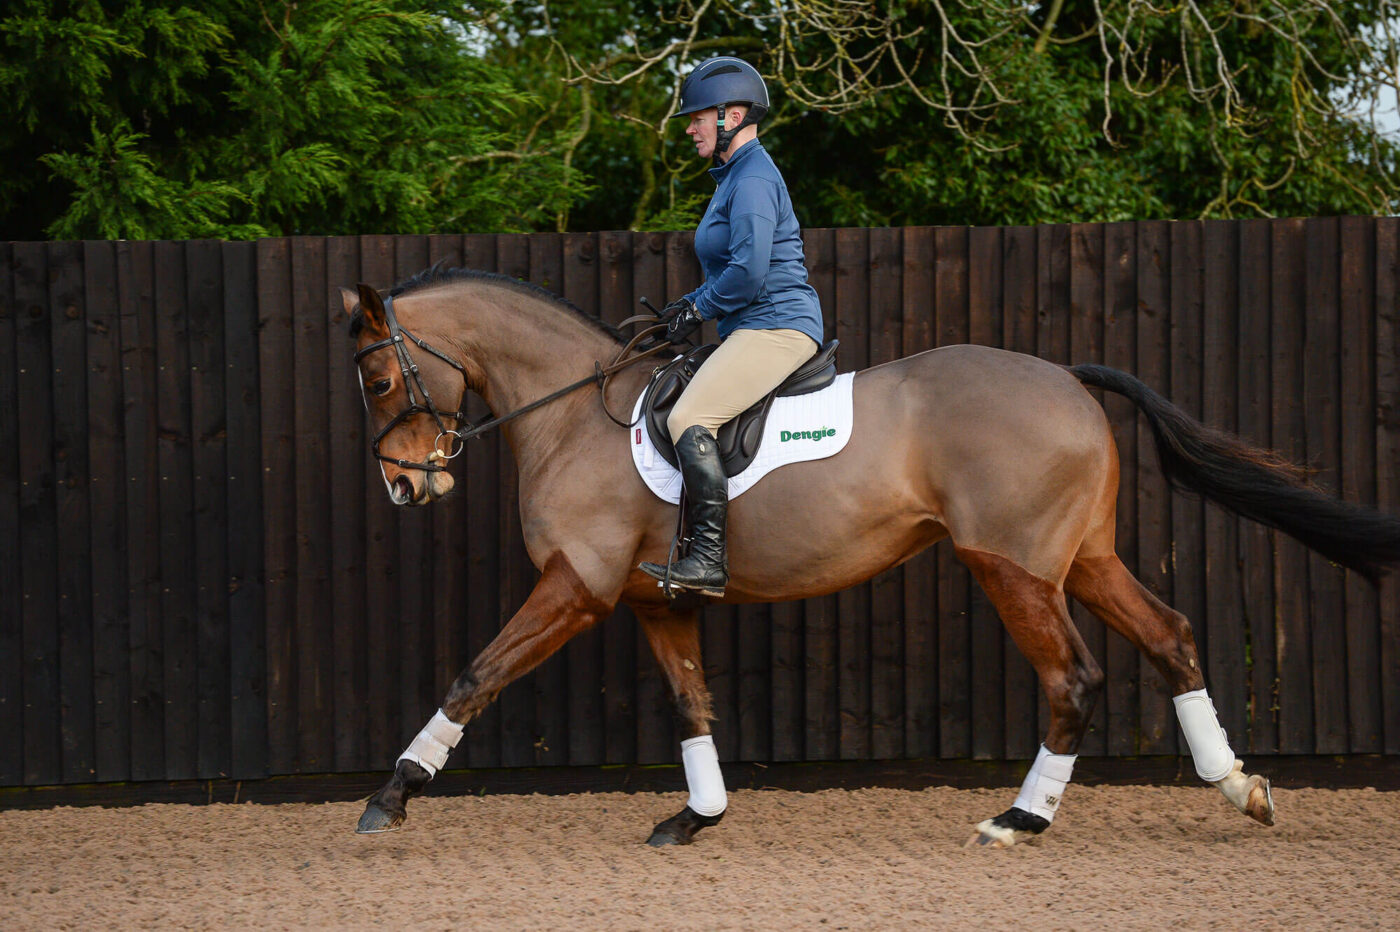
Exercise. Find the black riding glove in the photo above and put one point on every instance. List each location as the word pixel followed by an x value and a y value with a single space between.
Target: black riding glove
pixel 685 322
pixel 677 306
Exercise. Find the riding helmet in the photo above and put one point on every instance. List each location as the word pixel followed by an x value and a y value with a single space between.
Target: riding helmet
pixel 716 82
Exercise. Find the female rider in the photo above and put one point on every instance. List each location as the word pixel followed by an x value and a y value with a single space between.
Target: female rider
pixel 770 319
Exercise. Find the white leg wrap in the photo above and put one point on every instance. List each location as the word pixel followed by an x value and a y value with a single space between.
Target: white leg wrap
pixel 707 796
pixel 1210 749
pixel 429 750
pixel 1045 784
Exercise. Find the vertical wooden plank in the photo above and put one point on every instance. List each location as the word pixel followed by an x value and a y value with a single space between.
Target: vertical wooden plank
pixel 1019 263
pixel 618 669
pixel 988 684
pixel 1321 385
pixel 519 732
pixel 788 689
pixel 920 607
pixel 449 591
pixel 886 328
pixel 72 477
pixel 1358 474
pixel 1052 297
pixel 853 619
pixel 1291 579
pixel 11 581
pixel 246 589
pixel 552 676
pixel 346 447
pixel 1187 523
pixel 1255 425
pixel 1387 459
pixel 313 635
pixel 1120 351
pixel 655 737
pixel 482 458
pixel 1157 718
pixel 954 581
pixel 784 682
pixel 1053 312
pixel 821 677
pixel 37 527
pixel 1226 643
pixel 278 419
pixel 1052 293
pixel 1086 331
pixel 383 563
pixel 177 589
pixel 209 461
pixel 584 654
pixel 753 662
pixel 138 328
pixel 111 637
pixel 417 579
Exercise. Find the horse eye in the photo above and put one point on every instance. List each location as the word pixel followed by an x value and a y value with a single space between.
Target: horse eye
pixel 381 387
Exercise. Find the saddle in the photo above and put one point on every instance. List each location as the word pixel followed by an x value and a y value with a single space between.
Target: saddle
pixel 738 439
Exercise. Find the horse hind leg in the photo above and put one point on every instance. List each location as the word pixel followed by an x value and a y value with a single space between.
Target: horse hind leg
pixel 674 637
pixel 1035 613
pixel 1104 586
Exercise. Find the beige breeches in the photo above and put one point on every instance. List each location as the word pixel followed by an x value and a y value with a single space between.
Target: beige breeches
pixel 748 365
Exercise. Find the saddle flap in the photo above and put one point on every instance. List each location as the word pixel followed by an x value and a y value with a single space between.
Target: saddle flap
pixel 739 438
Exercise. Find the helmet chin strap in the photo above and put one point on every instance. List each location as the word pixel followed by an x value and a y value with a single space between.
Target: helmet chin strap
pixel 723 137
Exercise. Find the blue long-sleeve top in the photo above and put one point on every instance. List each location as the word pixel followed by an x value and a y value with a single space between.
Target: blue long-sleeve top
pixel 750 246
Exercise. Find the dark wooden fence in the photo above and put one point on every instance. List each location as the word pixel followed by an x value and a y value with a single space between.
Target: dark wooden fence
pixel 202 576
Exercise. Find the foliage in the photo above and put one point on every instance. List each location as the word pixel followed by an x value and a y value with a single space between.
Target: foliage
pixel 997 112
pixel 166 118
pixel 229 118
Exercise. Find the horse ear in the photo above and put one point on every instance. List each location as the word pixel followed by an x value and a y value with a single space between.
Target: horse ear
pixel 349 299
pixel 373 307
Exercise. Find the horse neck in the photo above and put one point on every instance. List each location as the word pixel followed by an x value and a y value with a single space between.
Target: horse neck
pixel 518 348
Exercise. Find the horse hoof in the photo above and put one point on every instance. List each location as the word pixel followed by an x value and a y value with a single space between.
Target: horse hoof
pixel 991 835
pixel 376 820
pixel 1260 806
pixel 1250 794
pixel 660 839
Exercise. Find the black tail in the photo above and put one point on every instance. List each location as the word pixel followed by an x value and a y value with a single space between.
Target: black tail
pixel 1256 483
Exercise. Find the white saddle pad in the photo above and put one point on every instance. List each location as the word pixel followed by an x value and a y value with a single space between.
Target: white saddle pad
pixel 799 428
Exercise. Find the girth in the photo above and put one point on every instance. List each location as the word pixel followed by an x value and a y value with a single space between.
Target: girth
pixel 738 439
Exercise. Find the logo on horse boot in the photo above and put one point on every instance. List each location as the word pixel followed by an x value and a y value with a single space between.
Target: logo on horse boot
pixel 786 435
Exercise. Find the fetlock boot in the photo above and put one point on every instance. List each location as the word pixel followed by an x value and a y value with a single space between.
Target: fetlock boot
pixel 706 567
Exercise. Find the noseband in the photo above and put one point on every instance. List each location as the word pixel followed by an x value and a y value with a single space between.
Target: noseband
pixel 411 378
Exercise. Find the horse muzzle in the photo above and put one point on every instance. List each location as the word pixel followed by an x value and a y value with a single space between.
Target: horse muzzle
pixel 433 486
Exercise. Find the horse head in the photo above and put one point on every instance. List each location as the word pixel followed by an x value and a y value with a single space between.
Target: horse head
pixel 413 393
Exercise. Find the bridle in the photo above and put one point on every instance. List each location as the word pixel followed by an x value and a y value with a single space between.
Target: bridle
pixel 411 378
pixel 457 438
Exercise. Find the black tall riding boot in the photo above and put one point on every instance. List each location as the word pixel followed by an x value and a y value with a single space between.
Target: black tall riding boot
pixel 705 568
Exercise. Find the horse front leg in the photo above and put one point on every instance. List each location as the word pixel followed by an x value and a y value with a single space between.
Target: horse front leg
pixel 1035 613
pixel 559 607
pixel 674 637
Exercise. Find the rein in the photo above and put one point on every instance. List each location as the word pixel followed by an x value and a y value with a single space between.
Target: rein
pixel 456 437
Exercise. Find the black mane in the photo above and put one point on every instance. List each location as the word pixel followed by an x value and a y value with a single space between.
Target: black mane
pixel 439 273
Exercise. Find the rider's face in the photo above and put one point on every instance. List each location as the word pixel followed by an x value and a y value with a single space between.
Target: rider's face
pixel 703 131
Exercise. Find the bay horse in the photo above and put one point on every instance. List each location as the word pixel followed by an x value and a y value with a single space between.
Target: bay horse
pixel 1007 455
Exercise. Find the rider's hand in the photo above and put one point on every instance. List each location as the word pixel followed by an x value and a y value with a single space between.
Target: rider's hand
pixel 683 323
pixel 676 307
